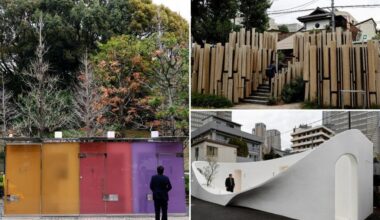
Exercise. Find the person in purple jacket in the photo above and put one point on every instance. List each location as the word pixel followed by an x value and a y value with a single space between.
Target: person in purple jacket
pixel 160 186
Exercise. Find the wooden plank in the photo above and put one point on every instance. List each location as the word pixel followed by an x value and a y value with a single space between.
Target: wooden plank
pixel 371 71
pixel 225 85
pixel 326 92
pixel 313 73
pixel 226 57
pixel 243 60
pixel 333 73
pixel 265 65
pixel 346 74
pixel 206 69
pixel 230 60
pixel 219 88
pixel 212 71
pixel 235 63
pixel 230 89
pixel 200 70
pixel 235 90
pixel 253 34
pixel 358 80
pixel 194 75
pixel 307 91
pixel 306 68
pixel 219 64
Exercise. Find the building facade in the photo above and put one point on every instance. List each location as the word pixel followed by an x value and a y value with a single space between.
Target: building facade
pixel 273 138
pixel 198 116
pixel 212 141
pixel 365 121
pixel 306 137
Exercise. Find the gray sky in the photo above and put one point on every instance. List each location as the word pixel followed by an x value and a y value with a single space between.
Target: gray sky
pixel 282 120
pixel 359 14
pixel 180 6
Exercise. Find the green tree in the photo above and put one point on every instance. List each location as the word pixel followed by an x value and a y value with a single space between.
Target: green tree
pixel 271 155
pixel 212 20
pixel 71 27
pixel 168 78
pixel 283 28
pixel 254 13
pixel 242 150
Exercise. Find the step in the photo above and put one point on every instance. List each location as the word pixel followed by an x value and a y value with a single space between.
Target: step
pixel 263 90
pixel 255 97
pixel 263 86
pixel 266 94
pixel 263 102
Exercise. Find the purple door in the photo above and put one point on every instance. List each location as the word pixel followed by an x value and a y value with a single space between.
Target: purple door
pixel 144 164
pixel 146 158
pixel 170 156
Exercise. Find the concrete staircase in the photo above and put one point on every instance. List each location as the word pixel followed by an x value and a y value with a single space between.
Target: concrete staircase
pixel 261 96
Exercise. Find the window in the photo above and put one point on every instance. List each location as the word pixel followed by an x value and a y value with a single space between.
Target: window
pixel 317 25
pixel 212 151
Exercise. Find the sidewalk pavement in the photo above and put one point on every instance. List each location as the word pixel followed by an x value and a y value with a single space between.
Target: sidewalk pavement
pixel 94 218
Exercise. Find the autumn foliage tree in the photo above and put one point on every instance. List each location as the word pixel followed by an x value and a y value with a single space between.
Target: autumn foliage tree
pixel 120 66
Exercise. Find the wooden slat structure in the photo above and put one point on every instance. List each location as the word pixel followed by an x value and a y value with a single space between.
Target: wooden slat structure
pixel 336 72
pixel 235 69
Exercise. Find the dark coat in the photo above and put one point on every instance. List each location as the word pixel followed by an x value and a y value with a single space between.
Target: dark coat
pixel 271 71
pixel 230 184
pixel 160 186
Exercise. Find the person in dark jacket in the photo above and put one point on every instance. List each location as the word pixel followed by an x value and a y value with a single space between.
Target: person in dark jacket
pixel 160 186
pixel 270 72
pixel 230 183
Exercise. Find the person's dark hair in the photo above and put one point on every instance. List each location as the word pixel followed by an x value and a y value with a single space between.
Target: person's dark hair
pixel 160 170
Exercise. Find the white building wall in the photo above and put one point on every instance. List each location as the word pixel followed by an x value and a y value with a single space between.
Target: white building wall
pixel 225 154
pixel 368 31
pixel 322 25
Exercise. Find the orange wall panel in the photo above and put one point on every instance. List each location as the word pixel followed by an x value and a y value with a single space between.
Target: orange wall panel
pixel 23 172
pixel 60 178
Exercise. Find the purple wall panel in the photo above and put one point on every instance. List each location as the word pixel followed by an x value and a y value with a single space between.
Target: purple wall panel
pixel 167 156
pixel 146 158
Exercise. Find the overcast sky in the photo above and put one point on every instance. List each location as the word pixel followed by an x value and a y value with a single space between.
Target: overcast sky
pixel 359 14
pixel 180 6
pixel 282 120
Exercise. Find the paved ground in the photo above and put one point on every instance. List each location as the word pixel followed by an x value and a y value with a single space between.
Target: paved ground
pixel 204 210
pixel 201 210
pixel 139 217
pixel 257 106
pixel 90 218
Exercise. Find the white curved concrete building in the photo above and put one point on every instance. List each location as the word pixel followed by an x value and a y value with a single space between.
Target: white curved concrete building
pixel 333 181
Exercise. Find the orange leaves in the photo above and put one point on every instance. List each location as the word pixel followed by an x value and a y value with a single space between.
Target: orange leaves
pixel 136 60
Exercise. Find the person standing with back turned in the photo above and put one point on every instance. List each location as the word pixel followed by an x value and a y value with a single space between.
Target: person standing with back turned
pixel 160 186
pixel 230 183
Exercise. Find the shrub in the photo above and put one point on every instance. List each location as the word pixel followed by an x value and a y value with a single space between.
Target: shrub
pixel 242 150
pixel 294 91
pixel 272 101
pixel 209 101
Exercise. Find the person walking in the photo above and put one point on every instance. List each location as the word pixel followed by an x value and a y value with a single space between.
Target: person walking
pixel 230 183
pixel 160 186
pixel 270 72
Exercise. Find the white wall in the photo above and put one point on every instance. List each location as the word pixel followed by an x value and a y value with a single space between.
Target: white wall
pixel 322 25
pixel 300 186
pixel 225 154
pixel 368 31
